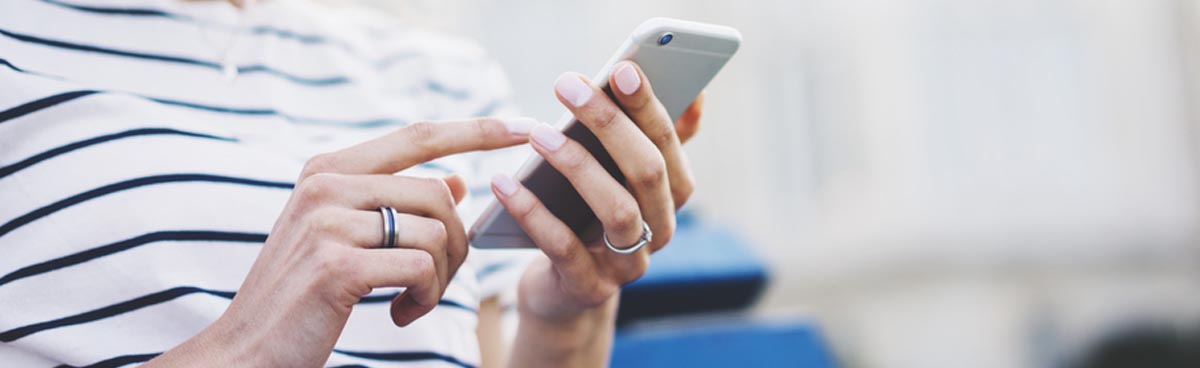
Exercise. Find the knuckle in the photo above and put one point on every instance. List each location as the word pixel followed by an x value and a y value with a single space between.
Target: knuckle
pixel 483 128
pixel 436 231
pixel 665 136
pixel 651 174
pixel 321 163
pixel 607 116
pixel 432 184
pixel 423 134
pixel 641 101
pixel 423 265
pixel 573 158
pixel 625 218
pixel 324 224
pixel 421 131
pixel 561 251
pixel 438 187
pixel 317 188
pixel 521 210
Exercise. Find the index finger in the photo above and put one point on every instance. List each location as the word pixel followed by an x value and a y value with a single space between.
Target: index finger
pixel 421 142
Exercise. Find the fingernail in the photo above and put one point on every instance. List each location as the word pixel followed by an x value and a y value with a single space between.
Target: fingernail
pixel 573 89
pixel 519 126
pixel 505 184
pixel 627 78
pixel 548 137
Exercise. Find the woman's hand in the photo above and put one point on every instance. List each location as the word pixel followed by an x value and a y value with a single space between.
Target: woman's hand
pixel 323 253
pixel 575 278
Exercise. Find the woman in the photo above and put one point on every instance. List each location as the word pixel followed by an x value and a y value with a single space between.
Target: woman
pixel 147 147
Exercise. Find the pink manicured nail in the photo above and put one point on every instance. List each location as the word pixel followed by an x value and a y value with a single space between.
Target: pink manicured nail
pixel 519 126
pixel 548 137
pixel 573 89
pixel 627 78
pixel 505 184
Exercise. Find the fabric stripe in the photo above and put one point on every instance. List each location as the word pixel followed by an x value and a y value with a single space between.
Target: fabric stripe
pixel 42 103
pixel 109 311
pixel 404 356
pixel 491 107
pixel 443 89
pixel 483 272
pixel 130 184
pixel 113 11
pixel 13 67
pixel 388 61
pixel 373 123
pixel 67 96
pixel 387 298
pixel 118 361
pixel 51 153
pixel 488 109
pixel 127 244
pixel 384 356
pixel 150 300
pixel 382 63
pixel 256 68
pixel 47 102
pixel 149 12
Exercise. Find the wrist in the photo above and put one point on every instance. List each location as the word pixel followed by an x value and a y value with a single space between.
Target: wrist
pixel 564 337
pixel 219 344
pixel 563 317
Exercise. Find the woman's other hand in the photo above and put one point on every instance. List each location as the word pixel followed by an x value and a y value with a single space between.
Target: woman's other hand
pixel 324 254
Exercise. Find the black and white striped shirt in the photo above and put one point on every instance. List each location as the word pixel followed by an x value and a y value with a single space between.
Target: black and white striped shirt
pixel 137 184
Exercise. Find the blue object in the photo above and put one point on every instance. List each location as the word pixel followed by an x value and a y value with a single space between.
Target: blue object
pixel 665 39
pixel 723 344
pixel 704 269
pixel 707 270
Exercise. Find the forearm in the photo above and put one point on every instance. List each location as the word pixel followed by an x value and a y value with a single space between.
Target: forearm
pixel 582 341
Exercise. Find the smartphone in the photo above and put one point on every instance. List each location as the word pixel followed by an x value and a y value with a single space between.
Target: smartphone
pixel 679 58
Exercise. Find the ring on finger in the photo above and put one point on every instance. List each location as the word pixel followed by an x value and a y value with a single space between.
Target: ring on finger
pixel 389 227
pixel 647 235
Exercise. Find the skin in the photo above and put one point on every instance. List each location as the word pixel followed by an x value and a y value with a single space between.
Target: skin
pixel 568 297
pixel 321 256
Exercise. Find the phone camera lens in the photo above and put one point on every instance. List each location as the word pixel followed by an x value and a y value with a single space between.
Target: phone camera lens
pixel 665 39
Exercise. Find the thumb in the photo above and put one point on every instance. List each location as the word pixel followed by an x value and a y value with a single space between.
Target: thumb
pixel 458 187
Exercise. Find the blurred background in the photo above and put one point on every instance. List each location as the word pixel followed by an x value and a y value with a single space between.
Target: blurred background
pixel 935 183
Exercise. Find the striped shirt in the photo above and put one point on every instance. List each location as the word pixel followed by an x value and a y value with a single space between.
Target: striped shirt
pixel 137 184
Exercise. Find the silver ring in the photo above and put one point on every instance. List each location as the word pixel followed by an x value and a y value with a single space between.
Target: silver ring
pixel 389 227
pixel 645 239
